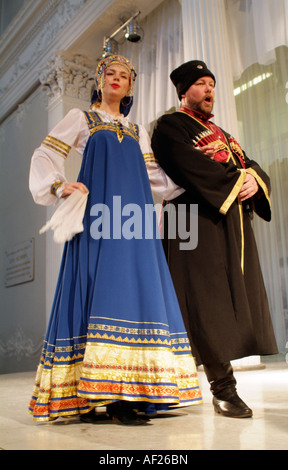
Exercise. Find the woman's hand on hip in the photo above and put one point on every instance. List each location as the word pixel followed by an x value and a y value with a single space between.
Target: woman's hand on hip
pixel 69 188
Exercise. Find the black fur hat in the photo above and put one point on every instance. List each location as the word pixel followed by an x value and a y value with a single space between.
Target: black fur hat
pixel 187 74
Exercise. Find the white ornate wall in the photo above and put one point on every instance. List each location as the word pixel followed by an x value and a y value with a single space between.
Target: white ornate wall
pixel 22 309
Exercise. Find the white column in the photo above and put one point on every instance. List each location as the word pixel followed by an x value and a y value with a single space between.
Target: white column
pixel 67 79
pixel 205 37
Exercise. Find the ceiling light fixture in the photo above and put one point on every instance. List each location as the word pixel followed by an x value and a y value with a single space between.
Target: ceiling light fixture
pixel 133 33
pixel 110 46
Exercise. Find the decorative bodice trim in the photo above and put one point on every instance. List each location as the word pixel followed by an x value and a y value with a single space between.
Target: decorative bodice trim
pixel 95 124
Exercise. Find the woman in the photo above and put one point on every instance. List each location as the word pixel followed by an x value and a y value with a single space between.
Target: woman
pixel 115 335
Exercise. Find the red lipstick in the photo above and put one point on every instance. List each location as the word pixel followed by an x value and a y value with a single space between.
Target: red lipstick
pixel 115 85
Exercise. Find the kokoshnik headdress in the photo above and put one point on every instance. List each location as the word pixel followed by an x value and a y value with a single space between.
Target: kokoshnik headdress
pixel 127 101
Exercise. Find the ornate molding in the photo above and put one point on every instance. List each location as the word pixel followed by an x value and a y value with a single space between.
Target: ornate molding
pixel 28 42
pixel 69 75
pixel 44 21
pixel 20 345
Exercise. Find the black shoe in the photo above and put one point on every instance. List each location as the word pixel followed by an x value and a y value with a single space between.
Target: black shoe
pixel 122 412
pixel 92 417
pixel 232 407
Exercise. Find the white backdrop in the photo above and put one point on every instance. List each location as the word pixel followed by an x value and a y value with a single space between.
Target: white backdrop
pixel 154 59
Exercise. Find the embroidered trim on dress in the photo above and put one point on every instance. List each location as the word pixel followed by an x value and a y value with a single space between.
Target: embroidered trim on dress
pixel 96 124
pixel 57 145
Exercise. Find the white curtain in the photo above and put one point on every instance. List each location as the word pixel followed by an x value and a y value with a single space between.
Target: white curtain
pixel 258 30
pixel 154 59
pixel 205 36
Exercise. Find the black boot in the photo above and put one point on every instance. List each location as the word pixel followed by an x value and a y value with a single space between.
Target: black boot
pixel 223 387
pixel 122 413
pixel 93 417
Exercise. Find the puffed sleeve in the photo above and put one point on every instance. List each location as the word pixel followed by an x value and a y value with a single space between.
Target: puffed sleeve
pixel 160 183
pixel 47 164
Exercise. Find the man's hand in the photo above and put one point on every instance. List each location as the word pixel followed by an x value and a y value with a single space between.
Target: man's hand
pixel 210 150
pixel 249 188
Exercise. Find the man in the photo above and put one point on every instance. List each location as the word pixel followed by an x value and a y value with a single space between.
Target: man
pixel 219 283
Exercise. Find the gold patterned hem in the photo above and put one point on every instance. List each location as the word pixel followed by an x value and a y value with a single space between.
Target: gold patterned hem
pixel 110 372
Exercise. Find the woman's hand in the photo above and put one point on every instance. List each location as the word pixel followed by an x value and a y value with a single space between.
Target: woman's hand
pixel 69 188
pixel 249 188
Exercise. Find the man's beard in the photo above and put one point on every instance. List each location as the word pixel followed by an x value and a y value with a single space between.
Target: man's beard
pixel 200 108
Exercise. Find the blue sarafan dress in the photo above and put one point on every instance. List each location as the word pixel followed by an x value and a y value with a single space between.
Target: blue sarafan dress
pixel 115 331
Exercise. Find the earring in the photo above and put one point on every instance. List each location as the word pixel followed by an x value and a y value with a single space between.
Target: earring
pixel 127 100
pixel 126 104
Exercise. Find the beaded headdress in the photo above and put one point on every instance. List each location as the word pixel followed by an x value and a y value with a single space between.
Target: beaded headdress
pixel 110 60
pixel 100 74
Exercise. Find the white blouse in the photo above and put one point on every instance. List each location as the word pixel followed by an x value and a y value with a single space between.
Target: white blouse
pixel 47 163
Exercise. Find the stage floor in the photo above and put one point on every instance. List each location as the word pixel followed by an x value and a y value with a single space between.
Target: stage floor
pixel 195 428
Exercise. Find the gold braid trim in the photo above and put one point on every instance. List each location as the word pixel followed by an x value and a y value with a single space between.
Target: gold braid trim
pixel 260 182
pixel 57 145
pixel 55 186
pixel 149 158
pixel 232 196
